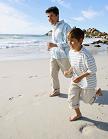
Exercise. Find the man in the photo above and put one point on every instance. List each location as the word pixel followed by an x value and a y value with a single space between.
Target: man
pixel 58 48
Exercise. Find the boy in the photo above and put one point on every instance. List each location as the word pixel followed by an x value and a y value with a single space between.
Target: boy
pixel 84 73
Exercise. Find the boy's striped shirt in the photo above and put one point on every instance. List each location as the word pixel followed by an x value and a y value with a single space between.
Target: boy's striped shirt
pixel 82 61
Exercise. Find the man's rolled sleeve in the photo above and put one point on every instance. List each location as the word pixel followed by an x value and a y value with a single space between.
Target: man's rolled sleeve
pixel 64 42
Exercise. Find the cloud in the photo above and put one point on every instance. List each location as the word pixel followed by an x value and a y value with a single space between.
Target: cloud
pixel 13 21
pixel 62 3
pixel 106 7
pixel 78 18
pixel 17 1
pixel 58 1
pixel 86 14
pixel 89 13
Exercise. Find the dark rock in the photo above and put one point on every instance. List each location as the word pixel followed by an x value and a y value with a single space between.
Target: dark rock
pixel 97 46
pixel 86 44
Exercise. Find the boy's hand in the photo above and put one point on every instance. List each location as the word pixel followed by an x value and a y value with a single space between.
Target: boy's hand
pixel 77 80
pixel 51 45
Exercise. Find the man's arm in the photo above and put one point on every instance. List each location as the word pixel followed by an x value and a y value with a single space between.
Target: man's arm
pixel 64 42
pixel 66 29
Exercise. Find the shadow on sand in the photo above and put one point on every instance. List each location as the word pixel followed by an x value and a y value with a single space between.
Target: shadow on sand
pixel 99 124
pixel 62 95
pixel 103 99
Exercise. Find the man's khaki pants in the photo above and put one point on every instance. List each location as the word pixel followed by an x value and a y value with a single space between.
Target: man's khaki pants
pixel 55 66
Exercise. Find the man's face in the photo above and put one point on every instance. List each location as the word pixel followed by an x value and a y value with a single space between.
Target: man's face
pixel 52 18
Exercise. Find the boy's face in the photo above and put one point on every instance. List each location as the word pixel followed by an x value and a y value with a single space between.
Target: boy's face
pixel 75 43
pixel 52 18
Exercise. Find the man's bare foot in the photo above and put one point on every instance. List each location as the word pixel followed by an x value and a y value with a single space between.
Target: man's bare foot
pixel 53 94
pixel 74 118
pixel 99 92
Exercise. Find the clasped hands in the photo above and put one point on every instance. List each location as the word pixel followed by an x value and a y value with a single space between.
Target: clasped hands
pixel 75 80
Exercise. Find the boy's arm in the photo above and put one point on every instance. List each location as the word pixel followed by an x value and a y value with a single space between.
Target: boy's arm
pixel 91 68
pixel 79 78
pixel 90 64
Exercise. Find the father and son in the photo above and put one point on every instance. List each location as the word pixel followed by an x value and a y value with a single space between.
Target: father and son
pixel 75 61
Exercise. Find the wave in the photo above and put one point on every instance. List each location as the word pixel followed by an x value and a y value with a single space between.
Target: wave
pixel 29 46
pixel 13 40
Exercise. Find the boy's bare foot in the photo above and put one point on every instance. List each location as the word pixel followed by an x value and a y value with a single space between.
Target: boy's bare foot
pixel 99 92
pixel 74 118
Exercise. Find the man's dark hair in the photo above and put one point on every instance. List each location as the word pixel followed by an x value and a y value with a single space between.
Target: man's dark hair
pixel 76 33
pixel 54 9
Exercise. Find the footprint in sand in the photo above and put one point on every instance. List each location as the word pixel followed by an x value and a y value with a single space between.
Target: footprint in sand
pixel 100 104
pixel 40 94
pixel 36 95
pixel 33 76
pixel 4 77
pixel 106 77
pixel 87 128
pixel 0 116
pixel 11 98
pixel 99 118
pixel 19 95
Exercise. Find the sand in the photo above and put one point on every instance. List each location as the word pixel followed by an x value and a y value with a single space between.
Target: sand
pixel 27 112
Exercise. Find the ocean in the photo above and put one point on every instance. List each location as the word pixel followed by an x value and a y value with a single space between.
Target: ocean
pixel 22 47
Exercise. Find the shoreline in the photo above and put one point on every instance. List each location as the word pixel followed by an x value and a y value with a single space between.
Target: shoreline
pixel 92 50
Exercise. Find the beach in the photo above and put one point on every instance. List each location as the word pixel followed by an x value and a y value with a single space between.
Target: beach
pixel 27 111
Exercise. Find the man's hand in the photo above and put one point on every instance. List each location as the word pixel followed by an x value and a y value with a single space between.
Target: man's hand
pixel 51 45
pixel 66 72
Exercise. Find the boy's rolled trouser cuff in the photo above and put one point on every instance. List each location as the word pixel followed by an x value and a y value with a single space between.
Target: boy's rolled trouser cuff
pixel 73 106
pixel 92 100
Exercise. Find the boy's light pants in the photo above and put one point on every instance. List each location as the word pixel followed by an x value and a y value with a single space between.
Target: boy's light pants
pixel 76 93
pixel 55 66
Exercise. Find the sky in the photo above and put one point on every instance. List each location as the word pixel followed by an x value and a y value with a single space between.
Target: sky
pixel 28 16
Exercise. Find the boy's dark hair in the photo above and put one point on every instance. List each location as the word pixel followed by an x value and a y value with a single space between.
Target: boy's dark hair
pixel 54 9
pixel 76 33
